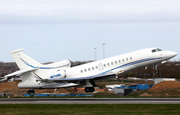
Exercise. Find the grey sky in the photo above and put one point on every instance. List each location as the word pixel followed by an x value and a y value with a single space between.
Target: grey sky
pixel 90 10
pixel 53 30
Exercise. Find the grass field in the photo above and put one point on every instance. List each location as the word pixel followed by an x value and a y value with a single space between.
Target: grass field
pixel 90 109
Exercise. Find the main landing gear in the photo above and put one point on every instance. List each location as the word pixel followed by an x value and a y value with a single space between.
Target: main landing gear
pixel 89 86
pixel 89 89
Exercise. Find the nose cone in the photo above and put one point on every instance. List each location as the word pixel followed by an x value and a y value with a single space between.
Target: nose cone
pixel 171 54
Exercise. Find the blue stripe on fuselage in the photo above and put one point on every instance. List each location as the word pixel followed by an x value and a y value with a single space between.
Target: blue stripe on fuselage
pixel 131 63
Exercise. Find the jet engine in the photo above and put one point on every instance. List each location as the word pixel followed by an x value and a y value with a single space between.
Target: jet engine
pixel 57 75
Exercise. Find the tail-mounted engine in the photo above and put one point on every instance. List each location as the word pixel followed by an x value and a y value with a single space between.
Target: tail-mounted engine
pixel 57 75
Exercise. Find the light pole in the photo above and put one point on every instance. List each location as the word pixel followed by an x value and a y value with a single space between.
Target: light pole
pixel 95 53
pixel 103 50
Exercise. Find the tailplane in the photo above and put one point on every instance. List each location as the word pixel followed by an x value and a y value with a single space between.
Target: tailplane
pixel 23 61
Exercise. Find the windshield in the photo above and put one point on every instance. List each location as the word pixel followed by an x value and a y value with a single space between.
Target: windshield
pixel 159 49
pixel 156 50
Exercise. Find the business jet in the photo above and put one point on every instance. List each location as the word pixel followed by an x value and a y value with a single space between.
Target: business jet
pixel 61 74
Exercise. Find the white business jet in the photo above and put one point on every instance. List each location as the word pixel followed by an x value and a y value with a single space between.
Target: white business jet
pixel 61 74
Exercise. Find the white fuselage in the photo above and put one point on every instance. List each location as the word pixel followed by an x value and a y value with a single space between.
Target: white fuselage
pixel 118 64
pixel 125 62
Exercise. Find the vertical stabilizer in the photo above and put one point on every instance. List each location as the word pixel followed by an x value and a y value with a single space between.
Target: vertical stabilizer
pixel 23 61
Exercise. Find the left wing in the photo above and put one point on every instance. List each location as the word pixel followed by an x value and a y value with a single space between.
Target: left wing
pixel 19 72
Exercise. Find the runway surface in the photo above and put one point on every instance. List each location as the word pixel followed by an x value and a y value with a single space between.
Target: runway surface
pixel 89 100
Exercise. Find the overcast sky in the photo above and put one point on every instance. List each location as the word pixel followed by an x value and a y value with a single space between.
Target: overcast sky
pixel 54 30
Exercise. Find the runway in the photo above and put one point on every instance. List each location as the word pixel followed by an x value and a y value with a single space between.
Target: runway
pixel 89 100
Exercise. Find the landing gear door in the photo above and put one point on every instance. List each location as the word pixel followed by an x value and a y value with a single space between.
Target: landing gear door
pixel 101 66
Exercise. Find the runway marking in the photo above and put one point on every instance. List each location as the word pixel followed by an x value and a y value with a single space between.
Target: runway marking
pixel 90 101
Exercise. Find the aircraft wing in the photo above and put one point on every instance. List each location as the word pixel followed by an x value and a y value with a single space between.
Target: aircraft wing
pixel 18 73
pixel 95 77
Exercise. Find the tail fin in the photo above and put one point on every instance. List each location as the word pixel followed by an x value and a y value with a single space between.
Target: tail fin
pixel 23 61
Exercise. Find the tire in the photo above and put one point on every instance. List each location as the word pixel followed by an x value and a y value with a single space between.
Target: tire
pixel 92 89
pixel 89 89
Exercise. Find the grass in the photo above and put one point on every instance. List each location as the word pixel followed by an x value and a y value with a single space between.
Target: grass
pixel 89 109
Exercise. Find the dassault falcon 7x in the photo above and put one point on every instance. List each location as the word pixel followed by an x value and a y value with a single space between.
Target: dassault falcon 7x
pixel 61 74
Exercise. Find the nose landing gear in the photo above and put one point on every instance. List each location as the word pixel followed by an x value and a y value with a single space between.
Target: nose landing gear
pixel 156 68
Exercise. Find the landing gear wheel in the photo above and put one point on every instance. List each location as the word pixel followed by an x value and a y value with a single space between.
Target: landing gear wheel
pixel 157 72
pixel 89 89
pixel 92 89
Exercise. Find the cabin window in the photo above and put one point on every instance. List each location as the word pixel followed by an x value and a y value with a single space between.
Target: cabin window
pixel 115 62
pixel 123 60
pixel 85 70
pixel 111 63
pixel 130 58
pixel 119 61
pixel 126 59
pixel 81 71
pixel 104 65
pixel 92 68
pixel 96 67
pixel 108 64
pixel 89 69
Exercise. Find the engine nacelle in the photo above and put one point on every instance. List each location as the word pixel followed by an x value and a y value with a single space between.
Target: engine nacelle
pixel 57 75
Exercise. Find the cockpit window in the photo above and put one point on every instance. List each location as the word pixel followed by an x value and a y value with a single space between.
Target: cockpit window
pixel 154 50
pixel 159 49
